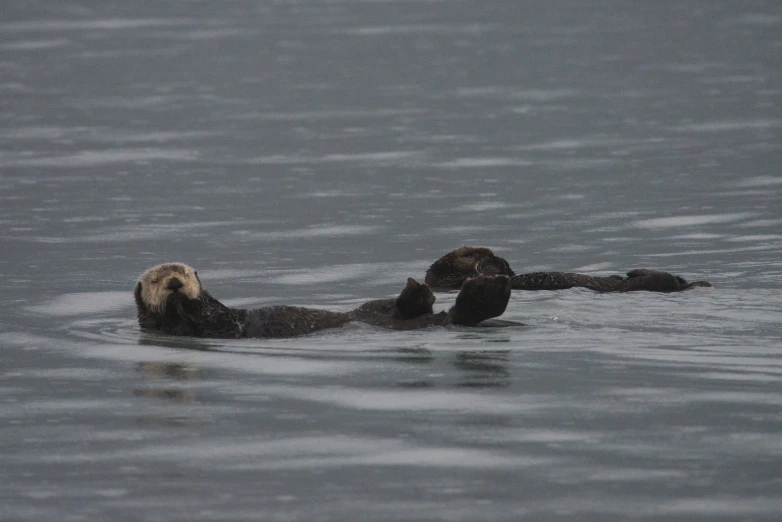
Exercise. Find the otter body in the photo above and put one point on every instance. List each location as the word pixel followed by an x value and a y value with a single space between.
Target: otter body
pixel 169 298
pixel 639 279
pixel 452 269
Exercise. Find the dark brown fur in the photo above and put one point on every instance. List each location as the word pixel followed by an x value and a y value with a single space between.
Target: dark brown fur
pixel 480 298
pixel 451 270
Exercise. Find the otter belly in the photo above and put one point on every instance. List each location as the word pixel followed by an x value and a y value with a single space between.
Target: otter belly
pixel 291 321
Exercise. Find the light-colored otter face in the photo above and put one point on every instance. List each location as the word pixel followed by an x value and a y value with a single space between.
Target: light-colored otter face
pixel 160 281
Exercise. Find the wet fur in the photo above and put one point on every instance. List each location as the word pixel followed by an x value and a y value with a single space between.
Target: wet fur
pixel 170 298
pixel 451 270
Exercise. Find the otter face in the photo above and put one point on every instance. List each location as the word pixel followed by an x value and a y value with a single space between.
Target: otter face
pixel 156 284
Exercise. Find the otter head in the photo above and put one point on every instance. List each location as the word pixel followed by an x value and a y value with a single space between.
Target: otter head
pixel 159 282
pixel 451 270
pixel 464 259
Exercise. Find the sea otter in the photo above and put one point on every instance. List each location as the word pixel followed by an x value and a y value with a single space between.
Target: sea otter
pixel 452 269
pixel 170 298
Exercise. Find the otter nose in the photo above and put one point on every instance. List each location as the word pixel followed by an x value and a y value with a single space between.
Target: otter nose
pixel 175 284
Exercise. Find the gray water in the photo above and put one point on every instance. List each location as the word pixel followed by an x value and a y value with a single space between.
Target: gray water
pixel 319 153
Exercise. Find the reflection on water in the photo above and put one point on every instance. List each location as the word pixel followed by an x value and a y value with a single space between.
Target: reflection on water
pixel 415 355
pixel 319 153
pixel 164 370
pixel 170 394
pixel 159 371
pixel 485 369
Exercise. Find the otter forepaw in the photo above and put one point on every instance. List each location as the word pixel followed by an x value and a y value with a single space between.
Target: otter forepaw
pixel 416 299
pixel 481 297
pixel 181 306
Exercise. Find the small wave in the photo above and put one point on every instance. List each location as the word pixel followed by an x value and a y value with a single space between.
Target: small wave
pixel 727 126
pixel 34 45
pixel 315 232
pixel 92 25
pixel 483 206
pixel 413 400
pixel 760 181
pixel 687 221
pixel 98 157
pixel 469 163
pixel 383 30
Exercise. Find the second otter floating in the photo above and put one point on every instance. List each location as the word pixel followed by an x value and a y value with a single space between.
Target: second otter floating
pixel 451 270
pixel 170 298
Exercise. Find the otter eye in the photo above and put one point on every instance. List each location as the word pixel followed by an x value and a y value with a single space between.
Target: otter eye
pixel 155 281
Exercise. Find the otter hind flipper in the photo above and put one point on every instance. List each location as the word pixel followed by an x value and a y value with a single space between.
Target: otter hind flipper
pixel 652 281
pixel 481 297
pixel 657 281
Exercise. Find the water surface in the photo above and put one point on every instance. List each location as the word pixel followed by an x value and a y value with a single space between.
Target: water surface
pixel 319 153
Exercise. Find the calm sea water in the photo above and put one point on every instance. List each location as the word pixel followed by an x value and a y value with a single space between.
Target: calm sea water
pixel 319 153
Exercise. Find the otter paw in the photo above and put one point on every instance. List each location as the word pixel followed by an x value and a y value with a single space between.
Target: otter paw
pixel 180 306
pixel 416 299
pixel 481 298
pixel 493 266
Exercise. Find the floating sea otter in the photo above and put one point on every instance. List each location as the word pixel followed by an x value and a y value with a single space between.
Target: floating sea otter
pixel 451 270
pixel 170 298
